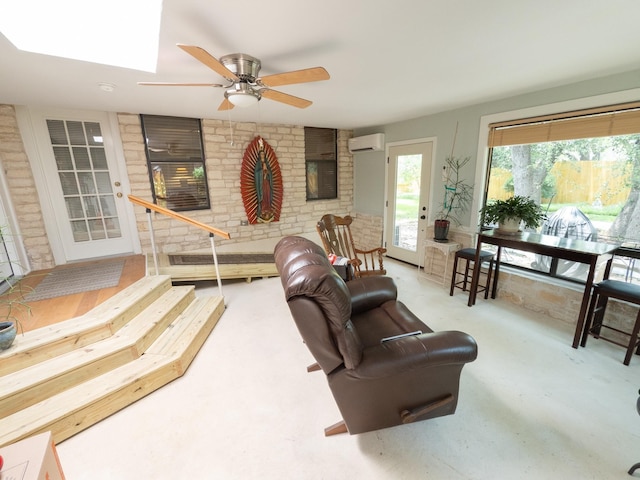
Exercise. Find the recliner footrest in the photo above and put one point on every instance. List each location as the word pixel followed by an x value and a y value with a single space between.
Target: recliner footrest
pixel 409 416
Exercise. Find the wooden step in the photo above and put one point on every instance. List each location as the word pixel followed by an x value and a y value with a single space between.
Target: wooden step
pixel 103 321
pixel 77 408
pixel 183 339
pixel 30 385
pixel 147 326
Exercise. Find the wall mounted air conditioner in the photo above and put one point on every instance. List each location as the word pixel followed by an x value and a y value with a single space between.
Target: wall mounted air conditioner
pixel 367 143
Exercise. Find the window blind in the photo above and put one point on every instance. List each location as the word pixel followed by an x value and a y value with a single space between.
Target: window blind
pixel 321 157
pixel 621 119
pixel 176 162
pixel 320 143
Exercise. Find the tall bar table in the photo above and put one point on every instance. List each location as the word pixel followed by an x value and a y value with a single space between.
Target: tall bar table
pixel 556 247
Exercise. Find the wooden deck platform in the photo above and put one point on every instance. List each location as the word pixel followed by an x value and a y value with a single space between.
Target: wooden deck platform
pixel 247 265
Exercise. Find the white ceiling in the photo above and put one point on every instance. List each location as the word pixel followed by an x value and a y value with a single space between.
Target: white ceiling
pixel 388 61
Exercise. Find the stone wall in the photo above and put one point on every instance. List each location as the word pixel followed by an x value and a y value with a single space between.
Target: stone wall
pixel 366 231
pixel 223 164
pixel 23 193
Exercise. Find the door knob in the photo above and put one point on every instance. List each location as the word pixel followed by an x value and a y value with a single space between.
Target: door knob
pixel 117 184
pixel 119 194
pixel 422 217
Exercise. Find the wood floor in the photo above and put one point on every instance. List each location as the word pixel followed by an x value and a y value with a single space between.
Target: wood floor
pixel 47 312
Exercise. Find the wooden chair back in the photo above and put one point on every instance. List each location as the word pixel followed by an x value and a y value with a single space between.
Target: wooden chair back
pixel 336 236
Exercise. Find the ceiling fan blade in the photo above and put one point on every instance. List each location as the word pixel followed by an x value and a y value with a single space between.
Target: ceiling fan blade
pixel 168 84
pixel 209 60
pixel 285 98
pixel 225 105
pixel 299 76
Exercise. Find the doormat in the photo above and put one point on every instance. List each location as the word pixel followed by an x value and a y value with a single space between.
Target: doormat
pixel 82 278
pixel 223 259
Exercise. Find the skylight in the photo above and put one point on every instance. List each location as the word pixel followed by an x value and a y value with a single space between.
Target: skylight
pixel 122 33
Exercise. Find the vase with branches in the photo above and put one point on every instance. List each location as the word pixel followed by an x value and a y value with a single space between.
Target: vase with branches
pixel 458 194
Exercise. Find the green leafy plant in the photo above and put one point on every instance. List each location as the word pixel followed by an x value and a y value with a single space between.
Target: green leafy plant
pixel 457 193
pixel 198 172
pixel 13 307
pixel 516 207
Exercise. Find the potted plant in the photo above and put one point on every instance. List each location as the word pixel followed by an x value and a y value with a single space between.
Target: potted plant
pixel 12 308
pixel 457 197
pixel 509 214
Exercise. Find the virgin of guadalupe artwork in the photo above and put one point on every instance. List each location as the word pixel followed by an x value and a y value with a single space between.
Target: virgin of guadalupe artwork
pixel 261 183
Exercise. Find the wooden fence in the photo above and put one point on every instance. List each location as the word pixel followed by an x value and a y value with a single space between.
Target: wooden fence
pixel 576 182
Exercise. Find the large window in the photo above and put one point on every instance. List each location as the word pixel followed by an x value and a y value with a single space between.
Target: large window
pixel 321 159
pixel 583 168
pixel 175 160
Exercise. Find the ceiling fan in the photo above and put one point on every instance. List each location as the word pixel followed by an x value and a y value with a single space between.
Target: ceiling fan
pixel 246 87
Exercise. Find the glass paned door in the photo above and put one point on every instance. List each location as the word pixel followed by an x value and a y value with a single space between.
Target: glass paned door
pixel 81 178
pixel 81 163
pixel 408 180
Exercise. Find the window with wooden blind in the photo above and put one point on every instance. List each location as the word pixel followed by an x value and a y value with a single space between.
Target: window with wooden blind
pixel 321 159
pixel 595 122
pixel 583 168
pixel 175 158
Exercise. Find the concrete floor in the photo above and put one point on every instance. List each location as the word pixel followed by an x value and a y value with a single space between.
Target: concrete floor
pixel 531 407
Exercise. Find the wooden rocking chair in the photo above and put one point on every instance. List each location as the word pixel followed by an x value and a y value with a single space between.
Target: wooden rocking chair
pixel 336 238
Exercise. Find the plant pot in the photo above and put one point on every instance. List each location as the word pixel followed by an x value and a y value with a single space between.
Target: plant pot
pixel 441 231
pixel 7 334
pixel 509 225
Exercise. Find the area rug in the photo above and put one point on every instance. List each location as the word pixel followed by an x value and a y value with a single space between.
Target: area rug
pixel 70 280
pixel 223 258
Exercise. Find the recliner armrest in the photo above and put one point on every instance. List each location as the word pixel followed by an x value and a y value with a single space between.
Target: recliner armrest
pixel 371 292
pixel 417 351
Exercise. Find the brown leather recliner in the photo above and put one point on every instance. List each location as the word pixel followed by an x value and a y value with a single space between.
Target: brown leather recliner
pixel 376 384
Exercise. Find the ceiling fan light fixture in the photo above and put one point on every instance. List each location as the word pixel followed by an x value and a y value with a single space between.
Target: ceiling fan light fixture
pixel 243 99
pixel 242 95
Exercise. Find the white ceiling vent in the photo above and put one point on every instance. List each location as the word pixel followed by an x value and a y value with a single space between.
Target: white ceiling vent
pixel 367 143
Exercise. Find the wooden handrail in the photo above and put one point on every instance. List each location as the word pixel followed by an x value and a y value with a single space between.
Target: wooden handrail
pixel 177 216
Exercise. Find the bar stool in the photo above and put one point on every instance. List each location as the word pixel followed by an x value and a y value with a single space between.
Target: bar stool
pixel 627 292
pixel 469 254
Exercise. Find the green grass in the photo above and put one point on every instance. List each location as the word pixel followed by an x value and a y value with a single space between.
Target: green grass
pixel 600 214
pixel 407 206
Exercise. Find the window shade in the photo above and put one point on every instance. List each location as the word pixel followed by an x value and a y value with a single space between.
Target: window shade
pixel 176 163
pixel 320 143
pixel 172 138
pixel 596 122
pixel 321 157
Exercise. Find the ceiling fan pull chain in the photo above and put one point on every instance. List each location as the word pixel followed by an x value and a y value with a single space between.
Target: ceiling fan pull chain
pixel 230 126
pixel 259 122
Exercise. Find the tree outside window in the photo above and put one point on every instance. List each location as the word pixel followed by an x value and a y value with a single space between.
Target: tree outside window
pixel 590 189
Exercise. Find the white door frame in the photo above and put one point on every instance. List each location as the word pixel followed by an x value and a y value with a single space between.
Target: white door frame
pixel 25 118
pixel 422 223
